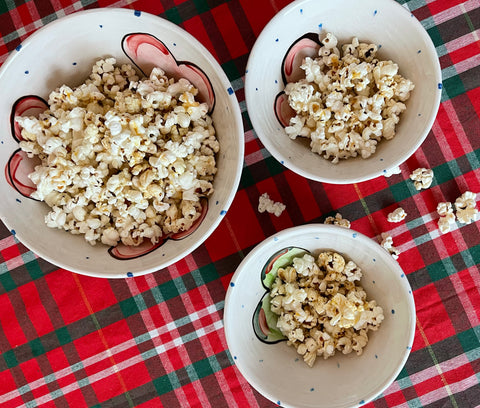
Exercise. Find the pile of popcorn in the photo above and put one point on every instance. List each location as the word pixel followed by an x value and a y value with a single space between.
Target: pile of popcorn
pixel 123 159
pixel 321 306
pixel 348 101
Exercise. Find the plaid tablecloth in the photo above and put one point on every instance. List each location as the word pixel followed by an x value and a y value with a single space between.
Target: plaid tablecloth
pixel 67 340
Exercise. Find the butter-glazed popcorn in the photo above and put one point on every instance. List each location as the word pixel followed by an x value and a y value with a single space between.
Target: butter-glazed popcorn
pixel 422 178
pixel 348 101
pixel 321 306
pixel 123 159
pixel 397 215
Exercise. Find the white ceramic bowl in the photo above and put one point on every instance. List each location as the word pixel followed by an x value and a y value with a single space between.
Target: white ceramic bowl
pixel 383 22
pixel 277 371
pixel 63 52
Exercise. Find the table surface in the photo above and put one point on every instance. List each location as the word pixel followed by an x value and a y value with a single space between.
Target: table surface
pixel 69 340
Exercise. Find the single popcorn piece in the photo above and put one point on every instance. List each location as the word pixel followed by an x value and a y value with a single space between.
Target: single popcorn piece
pixel 387 244
pixel 266 204
pixel 392 171
pixel 338 220
pixel 422 178
pixel 447 217
pixel 398 215
pixel 466 207
pixel 444 208
pixel 123 159
pixel 348 101
pixel 322 308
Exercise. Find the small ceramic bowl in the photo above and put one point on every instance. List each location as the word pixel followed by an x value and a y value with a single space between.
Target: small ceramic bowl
pixel 80 39
pixel 400 38
pixel 276 370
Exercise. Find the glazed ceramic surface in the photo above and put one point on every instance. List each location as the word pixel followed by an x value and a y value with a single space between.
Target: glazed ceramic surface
pixel 39 65
pixel 400 38
pixel 277 371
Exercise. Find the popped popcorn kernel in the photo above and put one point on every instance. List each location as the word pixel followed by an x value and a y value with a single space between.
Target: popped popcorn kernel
pixel 422 178
pixel 266 204
pixel 397 215
pixel 338 220
pixel 466 207
pixel 387 244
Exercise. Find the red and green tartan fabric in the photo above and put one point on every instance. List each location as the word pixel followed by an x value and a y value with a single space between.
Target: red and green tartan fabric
pixel 67 340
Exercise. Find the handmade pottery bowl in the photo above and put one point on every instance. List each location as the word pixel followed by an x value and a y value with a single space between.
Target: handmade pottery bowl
pixel 39 65
pixel 293 34
pixel 275 369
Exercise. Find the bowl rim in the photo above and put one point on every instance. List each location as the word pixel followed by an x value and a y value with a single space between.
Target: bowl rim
pixel 284 160
pixel 235 111
pixel 318 228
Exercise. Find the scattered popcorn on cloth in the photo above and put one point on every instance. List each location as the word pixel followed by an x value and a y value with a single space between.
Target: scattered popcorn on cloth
pixel 465 211
pixel 398 215
pixel 348 101
pixel 322 307
pixel 123 159
pixel 466 207
pixel 387 244
pixel 338 220
pixel 422 178
pixel 447 217
pixel 266 204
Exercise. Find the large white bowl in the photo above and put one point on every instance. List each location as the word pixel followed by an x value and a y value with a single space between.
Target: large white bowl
pixel 63 52
pixel 277 371
pixel 383 22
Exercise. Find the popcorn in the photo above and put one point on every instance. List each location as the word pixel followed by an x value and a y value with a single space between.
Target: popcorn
pixel 123 159
pixel 266 204
pixel 392 171
pixel 347 103
pixel 397 215
pixel 387 244
pixel 465 211
pixel 465 206
pixel 338 220
pixel 321 306
pixel 422 178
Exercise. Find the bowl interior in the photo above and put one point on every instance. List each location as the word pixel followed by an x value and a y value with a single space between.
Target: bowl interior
pixel 385 23
pixel 42 64
pixel 277 371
